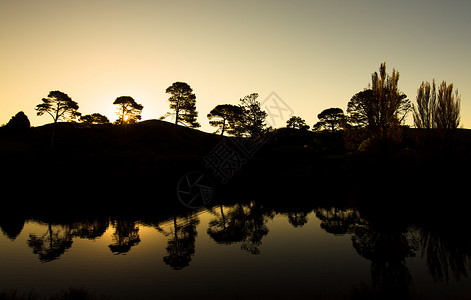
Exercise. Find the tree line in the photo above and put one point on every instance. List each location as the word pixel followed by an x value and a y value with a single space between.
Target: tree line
pixel 373 120
pixel 245 119
pixel 375 116
pixel 245 224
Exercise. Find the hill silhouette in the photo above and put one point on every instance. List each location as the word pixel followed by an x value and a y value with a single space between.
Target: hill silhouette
pixel 138 166
pixel 100 164
pixel 93 137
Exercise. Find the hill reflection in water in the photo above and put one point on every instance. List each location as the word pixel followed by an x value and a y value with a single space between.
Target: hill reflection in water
pixel 244 249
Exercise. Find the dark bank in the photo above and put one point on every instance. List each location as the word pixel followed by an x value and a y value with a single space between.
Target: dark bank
pixel 394 224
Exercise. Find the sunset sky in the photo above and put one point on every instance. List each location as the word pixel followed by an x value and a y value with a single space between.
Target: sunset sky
pixel 312 54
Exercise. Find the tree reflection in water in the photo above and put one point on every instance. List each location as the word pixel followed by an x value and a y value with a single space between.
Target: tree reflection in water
pixel 447 251
pixel 52 244
pixel 297 218
pixel 227 228
pixel 339 221
pixel 244 223
pixel 125 235
pixel 386 247
pixel 181 245
pixel 90 228
pixel 11 226
pixel 385 239
pixel 387 251
pixel 57 239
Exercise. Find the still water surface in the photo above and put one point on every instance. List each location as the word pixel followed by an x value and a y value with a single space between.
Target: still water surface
pixel 235 251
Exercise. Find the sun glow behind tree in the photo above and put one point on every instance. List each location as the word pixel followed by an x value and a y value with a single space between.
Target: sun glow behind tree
pixel 138 49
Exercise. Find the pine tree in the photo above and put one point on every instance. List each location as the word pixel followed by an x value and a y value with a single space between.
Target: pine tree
pixel 226 117
pixel 129 111
pixel 183 101
pixel 254 117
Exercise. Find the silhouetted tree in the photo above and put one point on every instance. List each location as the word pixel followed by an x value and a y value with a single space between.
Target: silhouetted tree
pixel 227 116
pixel 358 109
pixel 424 112
pixel 18 122
pixel 440 111
pixel 378 112
pixel 253 123
pixel 129 111
pixel 356 121
pixel 437 115
pixel 95 118
pixel 296 122
pixel 183 101
pixel 330 119
pixel 60 107
pixel 448 107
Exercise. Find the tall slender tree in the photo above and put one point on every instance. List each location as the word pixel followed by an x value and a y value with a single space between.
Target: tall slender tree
pixel 437 114
pixel 379 111
pixel 389 109
pixel 448 107
pixel 183 102
pixel 254 117
pixel 424 111
pixel 437 110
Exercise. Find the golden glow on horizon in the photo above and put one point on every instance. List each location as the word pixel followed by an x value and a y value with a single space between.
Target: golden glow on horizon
pixel 313 54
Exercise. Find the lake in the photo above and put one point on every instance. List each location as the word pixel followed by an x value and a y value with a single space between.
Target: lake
pixel 241 250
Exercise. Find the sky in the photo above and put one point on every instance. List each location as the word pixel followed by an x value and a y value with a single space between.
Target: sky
pixel 299 56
